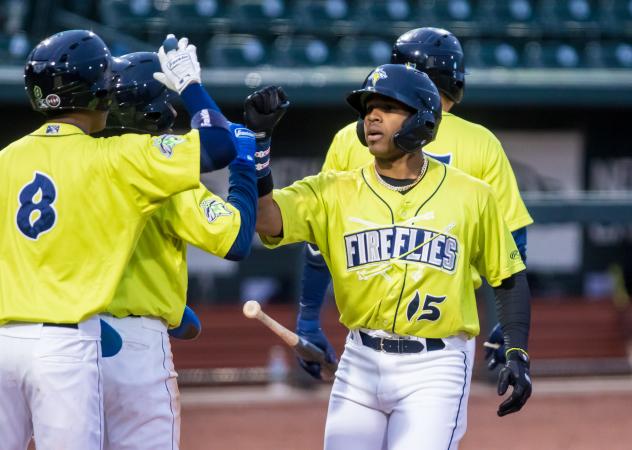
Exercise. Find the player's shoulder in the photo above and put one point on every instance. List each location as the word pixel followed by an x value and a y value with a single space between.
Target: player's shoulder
pixel 164 143
pixel 4 152
pixel 337 179
pixel 473 129
pixel 343 175
pixel 344 138
pixel 348 131
pixel 125 140
pixel 468 183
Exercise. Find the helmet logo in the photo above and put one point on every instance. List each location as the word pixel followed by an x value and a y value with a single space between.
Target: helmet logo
pixel 37 92
pixel 377 75
pixel 53 100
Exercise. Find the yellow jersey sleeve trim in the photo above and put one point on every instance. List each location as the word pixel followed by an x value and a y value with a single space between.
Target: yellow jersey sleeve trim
pixel 521 222
pixel 506 273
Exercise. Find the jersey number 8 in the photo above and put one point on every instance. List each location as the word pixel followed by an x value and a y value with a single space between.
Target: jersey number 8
pixel 36 214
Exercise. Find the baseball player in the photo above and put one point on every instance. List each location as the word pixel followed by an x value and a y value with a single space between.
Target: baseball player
pixel 141 398
pixel 71 210
pixel 400 235
pixel 459 143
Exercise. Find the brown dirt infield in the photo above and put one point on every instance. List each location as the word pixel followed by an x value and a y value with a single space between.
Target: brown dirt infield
pixel 589 414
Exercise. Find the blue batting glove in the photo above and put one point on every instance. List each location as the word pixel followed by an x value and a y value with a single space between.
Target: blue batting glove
pixel 111 341
pixel 189 328
pixel 312 332
pixel 495 356
pixel 244 140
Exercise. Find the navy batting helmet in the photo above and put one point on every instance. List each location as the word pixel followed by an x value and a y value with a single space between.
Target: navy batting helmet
pixel 410 87
pixel 141 102
pixel 67 71
pixel 436 52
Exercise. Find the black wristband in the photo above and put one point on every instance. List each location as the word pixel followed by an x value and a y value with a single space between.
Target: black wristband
pixel 265 185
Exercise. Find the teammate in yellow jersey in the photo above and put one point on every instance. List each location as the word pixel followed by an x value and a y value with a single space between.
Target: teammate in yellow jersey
pixel 71 210
pixel 400 236
pixel 459 143
pixel 141 398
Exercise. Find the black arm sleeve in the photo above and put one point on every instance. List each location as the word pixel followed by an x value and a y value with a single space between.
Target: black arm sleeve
pixel 513 305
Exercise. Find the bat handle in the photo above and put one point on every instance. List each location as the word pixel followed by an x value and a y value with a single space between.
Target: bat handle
pixel 310 352
pixel 328 370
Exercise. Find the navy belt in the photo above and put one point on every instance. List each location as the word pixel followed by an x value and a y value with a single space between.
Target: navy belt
pixel 63 325
pixel 400 345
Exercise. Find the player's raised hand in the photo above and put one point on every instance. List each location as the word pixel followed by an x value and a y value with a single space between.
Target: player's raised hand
pixel 516 374
pixel 179 64
pixel 264 108
pixel 311 331
pixel 495 348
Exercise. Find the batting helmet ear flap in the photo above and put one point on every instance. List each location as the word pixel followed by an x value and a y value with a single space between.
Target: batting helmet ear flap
pixel 360 131
pixel 418 130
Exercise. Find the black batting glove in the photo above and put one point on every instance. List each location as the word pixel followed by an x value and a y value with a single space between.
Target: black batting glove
pixel 516 374
pixel 263 109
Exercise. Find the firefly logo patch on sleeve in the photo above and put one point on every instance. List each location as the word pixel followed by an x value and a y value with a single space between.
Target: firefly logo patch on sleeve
pixel 166 143
pixel 214 209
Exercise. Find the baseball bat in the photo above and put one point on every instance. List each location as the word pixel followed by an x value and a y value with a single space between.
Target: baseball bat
pixel 491 345
pixel 303 348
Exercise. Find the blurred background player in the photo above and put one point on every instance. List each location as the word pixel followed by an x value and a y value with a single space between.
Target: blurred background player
pixel 71 210
pixel 400 235
pixel 141 398
pixel 459 143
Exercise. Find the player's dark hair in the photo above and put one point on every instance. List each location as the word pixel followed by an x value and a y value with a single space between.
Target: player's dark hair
pixel 436 52
pixel 70 70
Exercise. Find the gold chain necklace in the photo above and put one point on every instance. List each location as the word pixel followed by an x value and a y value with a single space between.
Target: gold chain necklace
pixel 422 172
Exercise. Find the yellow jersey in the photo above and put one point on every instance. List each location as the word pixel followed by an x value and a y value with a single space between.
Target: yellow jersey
pixel 155 280
pixel 402 263
pixel 459 143
pixel 71 210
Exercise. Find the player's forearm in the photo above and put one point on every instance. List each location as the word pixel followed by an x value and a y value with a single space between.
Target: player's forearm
pixel 269 219
pixel 514 310
pixel 314 284
pixel 195 99
pixel 242 194
pixel 217 148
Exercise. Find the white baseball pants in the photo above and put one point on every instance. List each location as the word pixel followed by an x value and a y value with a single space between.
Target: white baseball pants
pixel 141 397
pixel 414 401
pixel 51 386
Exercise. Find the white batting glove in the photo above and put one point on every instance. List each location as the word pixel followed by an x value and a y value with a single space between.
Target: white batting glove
pixel 180 66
